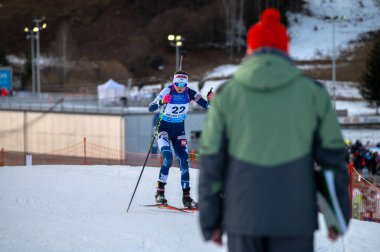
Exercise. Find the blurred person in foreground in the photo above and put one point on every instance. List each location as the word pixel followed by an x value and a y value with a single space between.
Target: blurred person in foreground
pixel 175 99
pixel 267 127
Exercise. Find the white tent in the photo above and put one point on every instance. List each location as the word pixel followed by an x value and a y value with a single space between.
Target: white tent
pixel 110 92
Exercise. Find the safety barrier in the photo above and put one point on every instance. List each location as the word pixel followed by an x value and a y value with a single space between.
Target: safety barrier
pixel 87 153
pixel 365 197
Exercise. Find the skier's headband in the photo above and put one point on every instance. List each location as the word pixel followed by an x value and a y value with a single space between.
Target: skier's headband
pixel 180 80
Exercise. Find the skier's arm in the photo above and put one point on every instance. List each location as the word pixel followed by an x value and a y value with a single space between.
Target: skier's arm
pixel 158 102
pixel 329 149
pixel 197 97
pixel 212 171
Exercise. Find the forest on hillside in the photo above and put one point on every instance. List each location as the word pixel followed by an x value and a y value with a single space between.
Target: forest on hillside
pixel 87 41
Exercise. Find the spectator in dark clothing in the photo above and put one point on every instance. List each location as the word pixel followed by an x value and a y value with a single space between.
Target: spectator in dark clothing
pixel 373 163
pixel 267 202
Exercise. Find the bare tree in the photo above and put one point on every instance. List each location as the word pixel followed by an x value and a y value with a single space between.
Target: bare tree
pixel 241 27
pixel 64 49
pixel 233 14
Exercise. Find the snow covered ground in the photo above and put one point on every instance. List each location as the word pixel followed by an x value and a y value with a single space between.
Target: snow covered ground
pixel 83 208
pixel 312 35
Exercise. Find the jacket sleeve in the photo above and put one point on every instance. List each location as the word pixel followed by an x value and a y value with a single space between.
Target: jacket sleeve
pixel 157 102
pixel 197 97
pixel 329 148
pixel 212 170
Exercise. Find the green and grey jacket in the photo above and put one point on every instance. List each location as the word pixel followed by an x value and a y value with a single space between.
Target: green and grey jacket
pixel 266 129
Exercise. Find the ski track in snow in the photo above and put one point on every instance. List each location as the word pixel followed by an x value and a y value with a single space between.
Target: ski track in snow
pixel 83 208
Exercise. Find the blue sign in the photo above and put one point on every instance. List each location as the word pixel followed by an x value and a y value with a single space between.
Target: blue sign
pixel 6 78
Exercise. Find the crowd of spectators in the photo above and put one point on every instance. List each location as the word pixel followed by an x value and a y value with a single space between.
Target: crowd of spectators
pixel 365 158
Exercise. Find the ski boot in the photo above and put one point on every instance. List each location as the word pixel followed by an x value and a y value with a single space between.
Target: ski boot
pixel 187 200
pixel 160 194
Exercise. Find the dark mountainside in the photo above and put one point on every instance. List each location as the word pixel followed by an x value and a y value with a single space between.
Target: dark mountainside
pixel 90 41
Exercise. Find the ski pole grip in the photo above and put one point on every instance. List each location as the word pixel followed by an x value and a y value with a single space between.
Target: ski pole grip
pixel 210 95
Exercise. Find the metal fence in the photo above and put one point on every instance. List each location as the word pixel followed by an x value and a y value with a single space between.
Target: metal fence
pixel 365 197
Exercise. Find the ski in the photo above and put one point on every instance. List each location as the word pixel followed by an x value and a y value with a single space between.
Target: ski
pixel 191 210
pixel 169 207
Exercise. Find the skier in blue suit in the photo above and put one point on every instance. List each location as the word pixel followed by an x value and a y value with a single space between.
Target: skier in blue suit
pixel 177 97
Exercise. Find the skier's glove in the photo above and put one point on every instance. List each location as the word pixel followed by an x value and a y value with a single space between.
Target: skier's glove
pixel 167 98
pixel 210 95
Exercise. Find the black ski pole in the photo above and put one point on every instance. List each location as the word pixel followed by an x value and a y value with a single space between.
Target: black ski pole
pixel 147 156
pixel 183 54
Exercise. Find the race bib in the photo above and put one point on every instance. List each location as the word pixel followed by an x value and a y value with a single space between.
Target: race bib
pixel 176 112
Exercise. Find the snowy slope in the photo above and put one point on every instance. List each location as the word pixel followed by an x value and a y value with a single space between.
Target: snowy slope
pixel 312 36
pixel 82 208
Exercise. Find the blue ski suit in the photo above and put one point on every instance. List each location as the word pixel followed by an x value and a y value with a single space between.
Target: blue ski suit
pixel 172 129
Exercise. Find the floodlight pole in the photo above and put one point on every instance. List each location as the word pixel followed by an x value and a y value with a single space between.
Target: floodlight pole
pixel 32 61
pixel 176 41
pixel 334 62
pixel 177 57
pixel 31 36
pixel 38 68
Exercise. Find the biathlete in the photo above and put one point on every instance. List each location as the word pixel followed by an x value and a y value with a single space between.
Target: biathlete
pixel 177 97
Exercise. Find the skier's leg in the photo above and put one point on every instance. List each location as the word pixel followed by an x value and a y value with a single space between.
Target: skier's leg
pixel 164 145
pixel 180 148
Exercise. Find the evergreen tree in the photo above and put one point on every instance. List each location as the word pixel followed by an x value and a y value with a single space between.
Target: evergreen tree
pixel 3 58
pixel 370 81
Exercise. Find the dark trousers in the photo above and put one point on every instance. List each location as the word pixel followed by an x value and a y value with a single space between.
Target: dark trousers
pixel 173 133
pixel 239 243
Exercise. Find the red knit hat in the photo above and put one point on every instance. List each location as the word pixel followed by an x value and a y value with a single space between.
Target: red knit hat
pixel 269 32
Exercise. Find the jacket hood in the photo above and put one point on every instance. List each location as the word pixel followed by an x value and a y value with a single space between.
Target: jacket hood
pixel 266 70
